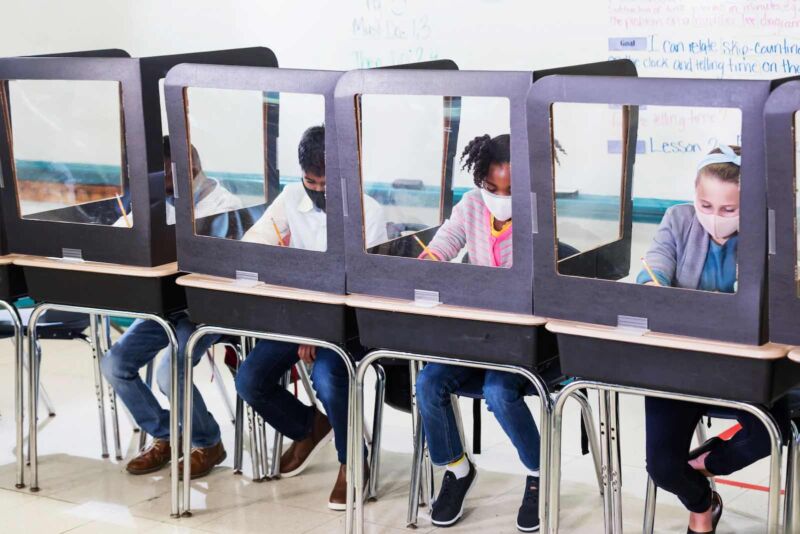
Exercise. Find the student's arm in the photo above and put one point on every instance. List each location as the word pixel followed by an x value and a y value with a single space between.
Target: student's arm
pixel 263 231
pixel 662 256
pixel 451 236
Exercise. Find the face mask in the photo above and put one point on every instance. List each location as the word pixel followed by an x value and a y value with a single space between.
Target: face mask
pixel 499 206
pixel 317 197
pixel 720 228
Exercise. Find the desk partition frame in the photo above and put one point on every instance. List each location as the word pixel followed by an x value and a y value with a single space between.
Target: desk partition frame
pixel 736 317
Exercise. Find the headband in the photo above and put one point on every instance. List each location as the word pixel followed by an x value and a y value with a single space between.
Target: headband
pixel 727 156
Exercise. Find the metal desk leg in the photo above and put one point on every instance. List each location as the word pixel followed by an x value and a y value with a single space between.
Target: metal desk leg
pixel 608 513
pixel 616 468
pixel 591 431
pixel 103 343
pixel 188 402
pixel 792 497
pixel 377 430
pixel 98 380
pixel 19 380
pixel 649 507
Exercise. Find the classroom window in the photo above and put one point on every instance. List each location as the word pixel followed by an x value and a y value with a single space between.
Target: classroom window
pixel 639 198
pixel 68 146
pixel 258 165
pixel 415 184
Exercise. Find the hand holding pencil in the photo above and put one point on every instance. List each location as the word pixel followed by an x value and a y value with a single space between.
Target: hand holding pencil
pixel 425 248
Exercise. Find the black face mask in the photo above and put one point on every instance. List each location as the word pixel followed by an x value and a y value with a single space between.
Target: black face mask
pixel 317 197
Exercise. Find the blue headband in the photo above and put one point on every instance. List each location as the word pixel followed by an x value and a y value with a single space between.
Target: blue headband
pixel 727 156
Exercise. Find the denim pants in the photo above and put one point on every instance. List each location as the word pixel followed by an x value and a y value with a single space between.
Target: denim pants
pixel 670 426
pixel 505 397
pixel 137 347
pixel 257 383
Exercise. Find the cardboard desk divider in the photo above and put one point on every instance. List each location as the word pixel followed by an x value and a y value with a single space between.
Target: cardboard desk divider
pixel 126 269
pixel 382 287
pixel 307 301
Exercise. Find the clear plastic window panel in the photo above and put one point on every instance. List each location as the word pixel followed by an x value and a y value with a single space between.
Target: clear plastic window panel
pixel 258 166
pixel 648 194
pixel 69 151
pixel 796 124
pixel 436 177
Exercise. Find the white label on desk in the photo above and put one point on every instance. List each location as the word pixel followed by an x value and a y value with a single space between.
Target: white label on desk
pixel 426 299
pixel 246 279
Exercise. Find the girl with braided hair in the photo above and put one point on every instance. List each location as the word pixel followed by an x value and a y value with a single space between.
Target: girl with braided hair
pixel 481 222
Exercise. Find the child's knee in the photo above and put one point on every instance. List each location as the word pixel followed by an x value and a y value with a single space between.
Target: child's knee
pixel 245 385
pixel 431 390
pixel 499 394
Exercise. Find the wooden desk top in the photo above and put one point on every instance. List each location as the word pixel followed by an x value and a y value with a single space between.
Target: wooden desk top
pixel 159 271
pixel 230 285
pixel 8 259
pixel 794 354
pixel 769 351
pixel 442 310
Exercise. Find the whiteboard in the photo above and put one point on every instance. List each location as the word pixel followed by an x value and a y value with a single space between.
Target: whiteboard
pixel 746 39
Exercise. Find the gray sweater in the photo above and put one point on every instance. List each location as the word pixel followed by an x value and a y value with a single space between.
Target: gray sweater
pixel 680 247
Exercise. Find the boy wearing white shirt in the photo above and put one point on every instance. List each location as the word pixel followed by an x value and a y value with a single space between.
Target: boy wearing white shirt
pixel 298 214
pixel 143 340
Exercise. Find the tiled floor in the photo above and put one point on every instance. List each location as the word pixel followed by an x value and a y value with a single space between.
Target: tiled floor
pixel 82 493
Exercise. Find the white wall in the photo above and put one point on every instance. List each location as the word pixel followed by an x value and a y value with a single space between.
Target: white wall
pixel 695 38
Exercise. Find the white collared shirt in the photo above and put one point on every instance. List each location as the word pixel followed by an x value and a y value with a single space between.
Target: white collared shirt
pixel 306 226
pixel 218 200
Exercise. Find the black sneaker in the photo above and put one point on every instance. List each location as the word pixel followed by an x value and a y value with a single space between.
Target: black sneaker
pixel 449 505
pixel 528 516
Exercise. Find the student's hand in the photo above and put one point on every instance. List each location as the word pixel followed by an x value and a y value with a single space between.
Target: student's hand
pixel 307 353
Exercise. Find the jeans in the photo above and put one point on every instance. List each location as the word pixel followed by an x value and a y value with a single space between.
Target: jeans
pixel 505 397
pixel 257 383
pixel 137 347
pixel 670 427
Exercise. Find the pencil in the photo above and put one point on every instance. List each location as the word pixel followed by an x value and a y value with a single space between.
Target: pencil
pixel 427 251
pixel 650 272
pixel 122 209
pixel 278 233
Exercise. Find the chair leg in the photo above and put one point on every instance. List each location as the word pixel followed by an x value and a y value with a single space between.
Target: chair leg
pixel 416 475
pixel 649 507
pixel 591 431
pixel 44 398
pixel 277 441
pixel 104 342
pixel 302 371
pixel 377 427
pixel 262 437
pixel 98 382
pixel 148 379
pixel 238 446
pixel 223 391
pixel 792 498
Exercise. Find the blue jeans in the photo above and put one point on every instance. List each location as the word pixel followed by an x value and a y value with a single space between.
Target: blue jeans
pixel 135 349
pixel 505 397
pixel 257 383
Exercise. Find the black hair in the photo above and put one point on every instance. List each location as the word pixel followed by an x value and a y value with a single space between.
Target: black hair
pixel 166 147
pixel 484 150
pixel 311 151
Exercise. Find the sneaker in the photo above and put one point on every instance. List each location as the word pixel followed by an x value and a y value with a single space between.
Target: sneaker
pixel 300 453
pixel 528 515
pixel 449 505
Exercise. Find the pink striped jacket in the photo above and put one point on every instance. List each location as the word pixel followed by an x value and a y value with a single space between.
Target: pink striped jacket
pixel 470 225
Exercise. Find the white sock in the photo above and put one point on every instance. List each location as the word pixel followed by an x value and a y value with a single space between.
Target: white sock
pixel 533 473
pixel 460 468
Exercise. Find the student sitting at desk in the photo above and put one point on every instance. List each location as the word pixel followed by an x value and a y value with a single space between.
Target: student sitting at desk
pixel 481 222
pixel 210 197
pixel 695 247
pixel 142 342
pixel 297 218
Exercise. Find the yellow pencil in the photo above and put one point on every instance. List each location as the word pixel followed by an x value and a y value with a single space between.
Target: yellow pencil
pixel 278 233
pixel 650 272
pixel 425 248
pixel 122 209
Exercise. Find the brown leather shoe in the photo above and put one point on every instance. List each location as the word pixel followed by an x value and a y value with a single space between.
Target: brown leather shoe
pixel 338 499
pixel 150 460
pixel 299 455
pixel 203 460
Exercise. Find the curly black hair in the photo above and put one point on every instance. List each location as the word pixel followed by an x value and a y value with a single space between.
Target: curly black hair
pixel 311 151
pixel 484 150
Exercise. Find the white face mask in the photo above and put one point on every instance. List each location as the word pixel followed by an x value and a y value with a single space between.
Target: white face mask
pixel 499 206
pixel 720 228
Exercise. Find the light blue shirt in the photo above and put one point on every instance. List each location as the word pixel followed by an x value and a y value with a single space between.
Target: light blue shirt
pixel 719 270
